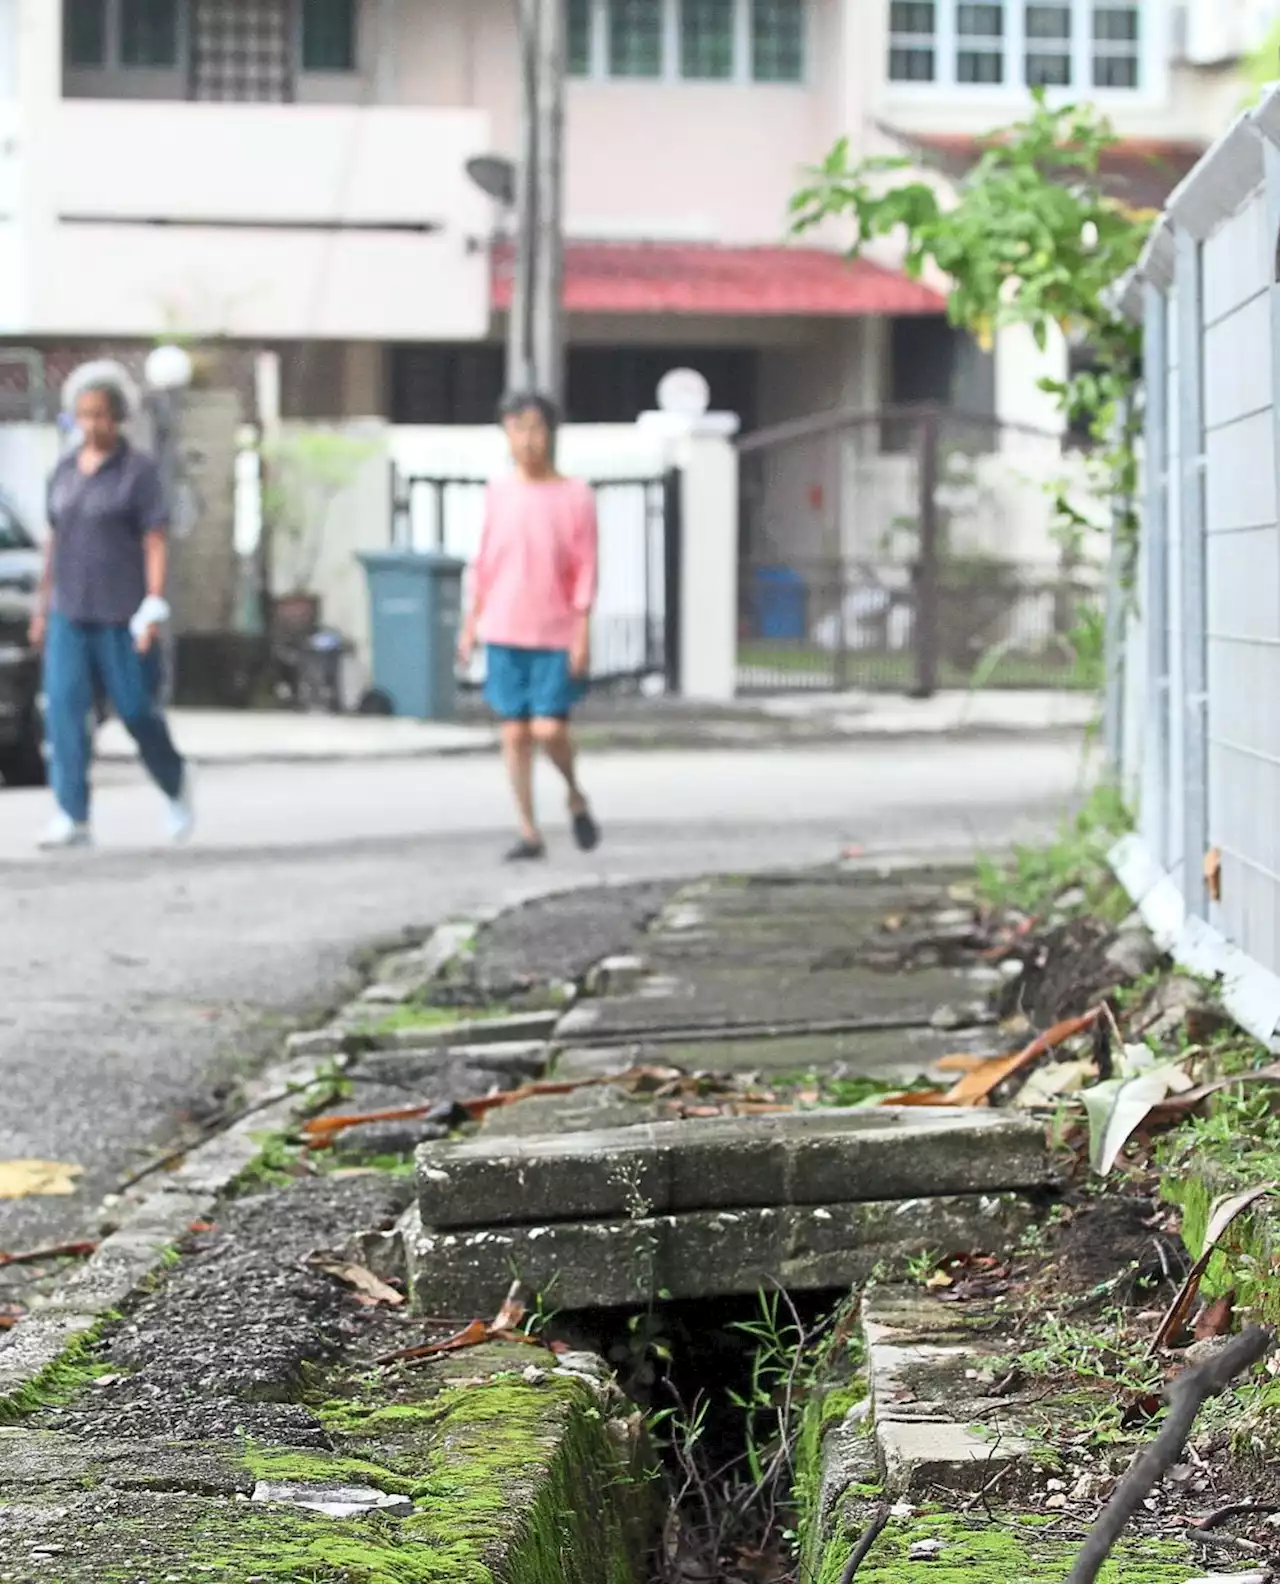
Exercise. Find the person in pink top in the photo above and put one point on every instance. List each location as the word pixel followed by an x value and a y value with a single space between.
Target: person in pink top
pixel 533 586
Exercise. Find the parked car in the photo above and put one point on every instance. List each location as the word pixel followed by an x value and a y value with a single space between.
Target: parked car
pixel 22 760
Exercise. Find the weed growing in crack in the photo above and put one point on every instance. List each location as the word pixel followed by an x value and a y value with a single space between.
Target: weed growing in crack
pixel 1037 879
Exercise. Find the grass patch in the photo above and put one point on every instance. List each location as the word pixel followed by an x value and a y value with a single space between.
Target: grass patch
pixel 61 1381
pixel 1036 879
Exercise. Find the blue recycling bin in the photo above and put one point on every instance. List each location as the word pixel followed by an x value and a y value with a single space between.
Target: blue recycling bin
pixel 780 600
pixel 415 599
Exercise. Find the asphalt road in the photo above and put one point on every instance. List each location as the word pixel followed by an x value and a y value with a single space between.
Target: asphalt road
pixel 135 977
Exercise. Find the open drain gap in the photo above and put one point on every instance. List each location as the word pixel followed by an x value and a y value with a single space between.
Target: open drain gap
pixel 735 1392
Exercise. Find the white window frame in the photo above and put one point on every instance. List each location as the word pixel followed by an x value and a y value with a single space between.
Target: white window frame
pixel 670 73
pixel 1153 56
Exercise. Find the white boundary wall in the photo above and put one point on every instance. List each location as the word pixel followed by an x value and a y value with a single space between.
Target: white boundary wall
pixel 1200 744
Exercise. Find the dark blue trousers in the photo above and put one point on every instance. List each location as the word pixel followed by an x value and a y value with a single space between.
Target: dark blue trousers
pixel 79 656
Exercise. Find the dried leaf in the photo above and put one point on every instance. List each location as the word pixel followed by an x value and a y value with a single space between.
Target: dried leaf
pixel 975 1087
pixel 1216 1319
pixel 1118 1108
pixel 1181 1104
pixel 960 1061
pixel 1221 1215
pixel 513 1310
pixel 1048 1084
pixel 10 1314
pixel 915 1097
pixel 1213 873
pixel 54 1251
pixel 32 1179
pixel 370 1287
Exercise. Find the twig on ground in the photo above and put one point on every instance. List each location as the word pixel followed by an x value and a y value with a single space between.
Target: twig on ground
pixel 54 1251
pixel 1187 1395
pixel 869 1536
pixel 1219 1542
pixel 1236 1509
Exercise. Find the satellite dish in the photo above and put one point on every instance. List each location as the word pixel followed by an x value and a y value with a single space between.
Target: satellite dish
pixel 684 391
pixel 494 175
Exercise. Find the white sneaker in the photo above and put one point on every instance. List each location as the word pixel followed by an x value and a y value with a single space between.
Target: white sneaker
pixel 182 813
pixel 63 831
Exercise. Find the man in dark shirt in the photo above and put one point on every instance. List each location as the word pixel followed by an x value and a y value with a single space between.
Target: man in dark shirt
pixel 102 600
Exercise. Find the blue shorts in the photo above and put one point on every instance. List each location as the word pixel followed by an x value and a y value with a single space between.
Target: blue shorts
pixel 530 684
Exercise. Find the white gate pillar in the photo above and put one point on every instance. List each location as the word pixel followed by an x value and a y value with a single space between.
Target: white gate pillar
pixel 702 449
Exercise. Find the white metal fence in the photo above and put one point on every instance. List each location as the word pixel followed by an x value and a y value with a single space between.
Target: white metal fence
pixel 1200 746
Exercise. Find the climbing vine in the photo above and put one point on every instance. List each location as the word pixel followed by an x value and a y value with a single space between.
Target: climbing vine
pixel 1030 236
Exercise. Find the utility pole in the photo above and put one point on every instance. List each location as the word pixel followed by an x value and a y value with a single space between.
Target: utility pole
pixel 548 273
pixel 521 374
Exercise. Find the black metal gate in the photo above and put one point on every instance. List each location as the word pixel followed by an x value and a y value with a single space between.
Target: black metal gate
pixel 907 549
pixel 635 626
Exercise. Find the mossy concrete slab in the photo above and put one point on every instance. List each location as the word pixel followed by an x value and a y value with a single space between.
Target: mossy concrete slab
pixel 633 1261
pixel 794 1158
pixel 1009 1547
pixel 529 1472
pixel 710 997
pixel 897 1055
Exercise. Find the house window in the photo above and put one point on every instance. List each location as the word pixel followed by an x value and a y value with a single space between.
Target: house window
pixel 635 38
pixel 328 35
pixel 1048 60
pixel 148 33
pixel 777 40
pixel 104 35
pixel 580 38
pixel 1115 46
pixel 84 33
pixel 707 29
pixel 912 41
pixel 761 41
pixel 980 44
pixel 1017 44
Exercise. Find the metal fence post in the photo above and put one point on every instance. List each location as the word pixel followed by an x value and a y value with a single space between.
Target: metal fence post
pixel 1195 784
pixel 926 571
pixel 672 568
pixel 1155 591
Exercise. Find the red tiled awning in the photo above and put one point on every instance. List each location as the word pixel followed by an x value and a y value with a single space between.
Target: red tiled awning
pixel 754 282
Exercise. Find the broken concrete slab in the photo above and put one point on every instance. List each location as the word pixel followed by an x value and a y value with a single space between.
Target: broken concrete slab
pixel 586 1111
pixel 942 1455
pixel 600 1264
pixel 898 1056
pixel 789 999
pixel 457 1069
pixel 508 1028
pixel 33 1458
pixel 935 1426
pixel 796 1158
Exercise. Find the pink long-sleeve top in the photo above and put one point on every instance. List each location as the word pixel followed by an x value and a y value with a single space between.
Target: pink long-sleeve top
pixel 535 575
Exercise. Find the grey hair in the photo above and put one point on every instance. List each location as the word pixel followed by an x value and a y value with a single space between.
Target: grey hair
pixel 111 379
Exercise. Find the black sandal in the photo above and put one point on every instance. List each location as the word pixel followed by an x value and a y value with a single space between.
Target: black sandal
pixel 525 851
pixel 585 830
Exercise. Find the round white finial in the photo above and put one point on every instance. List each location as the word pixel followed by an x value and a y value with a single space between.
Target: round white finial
pixel 168 368
pixel 684 391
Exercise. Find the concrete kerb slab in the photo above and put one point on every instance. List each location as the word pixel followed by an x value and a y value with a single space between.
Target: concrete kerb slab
pixel 933 1428
pixel 620 1264
pixel 730 1163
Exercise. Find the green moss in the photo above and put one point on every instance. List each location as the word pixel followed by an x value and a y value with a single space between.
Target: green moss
pixel 502 1473
pixel 62 1380
pixel 422 1015
pixel 1010 1549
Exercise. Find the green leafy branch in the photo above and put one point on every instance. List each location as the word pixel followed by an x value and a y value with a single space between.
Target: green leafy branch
pixel 1029 237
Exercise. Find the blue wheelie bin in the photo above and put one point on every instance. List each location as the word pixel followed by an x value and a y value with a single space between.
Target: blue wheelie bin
pixel 415 599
